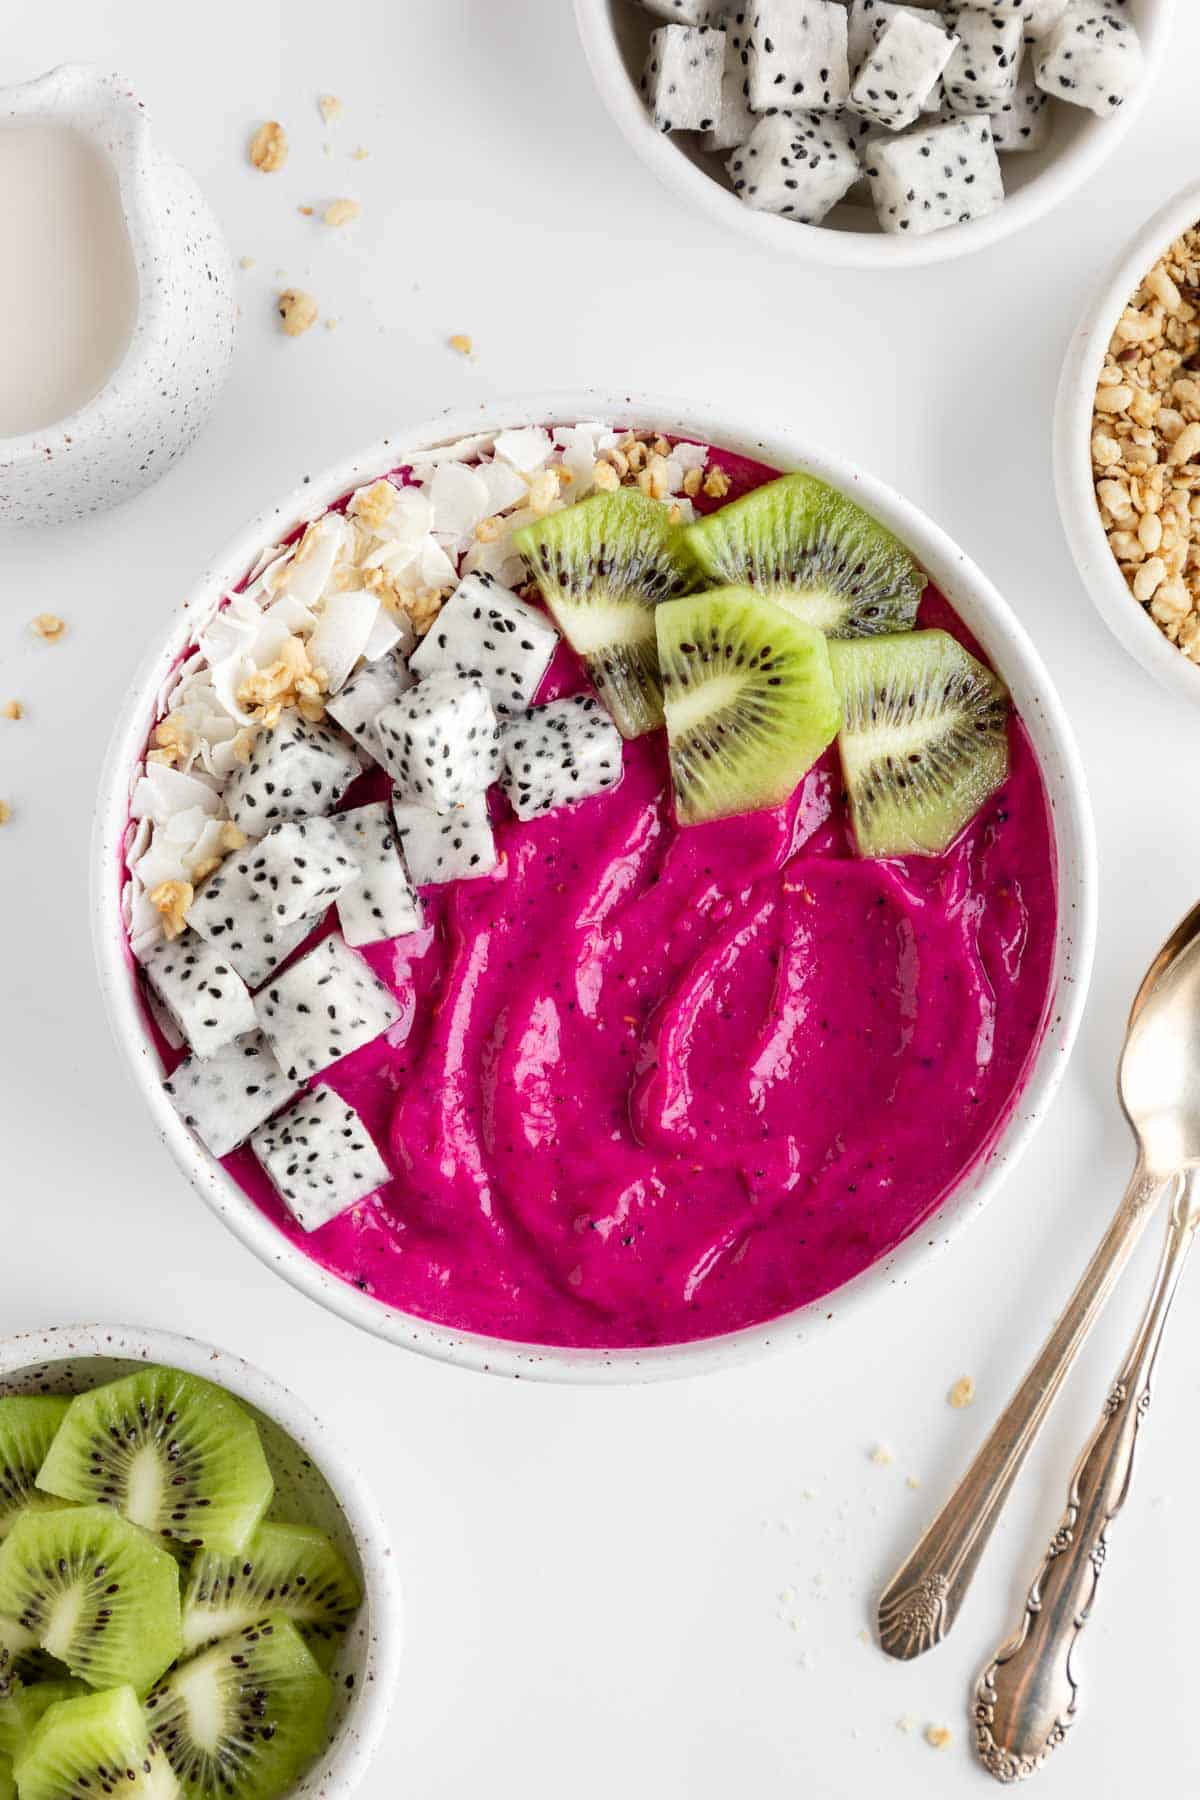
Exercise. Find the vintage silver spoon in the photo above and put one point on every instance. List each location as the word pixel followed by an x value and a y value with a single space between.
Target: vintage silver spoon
pixel 1026 1698
pixel 922 1600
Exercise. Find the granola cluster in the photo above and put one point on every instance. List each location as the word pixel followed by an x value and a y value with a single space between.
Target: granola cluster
pixel 1146 443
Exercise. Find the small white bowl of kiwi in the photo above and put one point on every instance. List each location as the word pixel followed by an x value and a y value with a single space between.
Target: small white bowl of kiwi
pixel 196 1591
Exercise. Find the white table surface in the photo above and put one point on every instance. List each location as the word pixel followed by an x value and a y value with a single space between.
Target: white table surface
pixel 659 1591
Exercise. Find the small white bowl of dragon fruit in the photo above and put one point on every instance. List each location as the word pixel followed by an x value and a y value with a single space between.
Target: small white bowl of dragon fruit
pixel 532 884
pixel 874 133
pixel 195 1589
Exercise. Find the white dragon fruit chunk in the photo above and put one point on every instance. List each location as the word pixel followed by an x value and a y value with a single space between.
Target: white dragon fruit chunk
pixel 344 626
pixel 223 1098
pixel 735 117
pixel 1091 58
pixel 1041 16
pixel 295 771
pixel 231 913
pixel 982 74
pixel 679 12
pixel 440 742
pixel 901 71
pixel 441 847
pixel 202 993
pixel 382 903
pixel 941 175
pixel 488 634
pixel 364 697
pixel 319 1157
pixel 1024 122
pixel 796 164
pixel 300 868
pixel 796 55
pixel 557 754
pixel 867 18
pixel 323 1007
pixel 681 82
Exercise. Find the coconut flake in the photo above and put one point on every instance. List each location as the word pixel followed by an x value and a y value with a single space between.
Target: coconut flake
pixel 344 625
pixel 311 567
pixel 690 456
pixel 504 485
pixel 464 449
pixel 527 450
pixel 161 792
pixel 459 497
pixel 387 632
pixel 227 678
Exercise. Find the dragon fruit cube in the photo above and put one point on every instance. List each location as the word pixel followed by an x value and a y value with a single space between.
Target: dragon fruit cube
pixel 867 18
pixel 735 119
pixel 682 78
pixel 382 903
pixel 796 55
pixel 326 1005
pixel 203 994
pixel 364 697
pixel 299 868
pixel 441 847
pixel 981 76
pixel 901 70
pixel 490 635
pixel 1091 57
pixel 319 1157
pixel 295 771
pixel 231 912
pixel 1023 122
pixel 557 754
pixel 796 164
pixel 441 743
pixel 223 1098
pixel 940 175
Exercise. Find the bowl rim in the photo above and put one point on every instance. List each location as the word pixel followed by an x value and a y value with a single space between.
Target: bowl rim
pixel 357 1741
pixel 1074 482
pixel 990 619
pixel 857 249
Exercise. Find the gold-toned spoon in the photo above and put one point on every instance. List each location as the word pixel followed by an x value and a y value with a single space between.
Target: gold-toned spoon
pixel 922 1600
pixel 1026 1698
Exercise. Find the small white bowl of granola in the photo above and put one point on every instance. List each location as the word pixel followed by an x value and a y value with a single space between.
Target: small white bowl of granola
pixel 1127 446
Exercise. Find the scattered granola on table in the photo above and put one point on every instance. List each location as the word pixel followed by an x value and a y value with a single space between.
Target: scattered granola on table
pixel 48 626
pixel 1146 443
pixel 13 709
pixel 297 311
pixel 341 212
pixel 269 147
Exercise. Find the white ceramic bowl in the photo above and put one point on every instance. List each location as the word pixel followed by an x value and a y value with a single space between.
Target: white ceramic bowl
pixel 315 1482
pixel 982 610
pixel 615 33
pixel 1073 478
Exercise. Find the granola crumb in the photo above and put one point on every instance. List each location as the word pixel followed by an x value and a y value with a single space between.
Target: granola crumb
pixel 245 262
pixel 331 324
pixel 305 211
pixel 462 343
pixel 374 505
pixel 882 1455
pixel 716 484
pixel 360 154
pixel 341 212
pixel 692 482
pixel 962 1393
pixel 330 108
pixel 297 311
pixel 490 531
pixel 49 626
pixel 938 1736
pixel 171 899
pixel 5 812
pixel 912 1481
pixel 269 147
pixel 13 709
pixel 605 477
pixel 906 1724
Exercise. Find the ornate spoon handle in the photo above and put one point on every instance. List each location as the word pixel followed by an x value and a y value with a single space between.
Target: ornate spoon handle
pixel 921 1602
pixel 1025 1699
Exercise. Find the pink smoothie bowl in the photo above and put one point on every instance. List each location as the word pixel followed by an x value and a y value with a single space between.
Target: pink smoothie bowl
pixel 984 613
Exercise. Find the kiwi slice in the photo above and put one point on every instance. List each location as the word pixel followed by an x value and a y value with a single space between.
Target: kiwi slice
pixel 924 740
pixel 25 1706
pixel 814 552
pixel 171 1452
pixel 750 701
pixel 8 1787
pixel 290 1569
pixel 242 1718
pixel 95 1592
pixel 602 568
pixel 28 1423
pixel 96 1745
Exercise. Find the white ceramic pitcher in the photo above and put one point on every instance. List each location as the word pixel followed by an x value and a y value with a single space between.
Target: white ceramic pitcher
pixel 163 388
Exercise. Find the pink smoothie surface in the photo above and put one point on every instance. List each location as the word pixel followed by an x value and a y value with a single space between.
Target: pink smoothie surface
pixel 652 1085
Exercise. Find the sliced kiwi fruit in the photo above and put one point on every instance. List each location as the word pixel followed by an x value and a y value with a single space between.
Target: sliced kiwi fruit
pixel 290 1569
pixel 171 1452
pixel 242 1718
pixel 8 1787
pixel 28 1423
pixel 813 551
pixel 94 1746
pixel 95 1592
pixel 924 740
pixel 750 701
pixel 602 567
pixel 25 1706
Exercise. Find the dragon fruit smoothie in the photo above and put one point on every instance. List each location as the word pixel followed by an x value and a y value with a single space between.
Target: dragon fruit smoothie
pixel 649 1084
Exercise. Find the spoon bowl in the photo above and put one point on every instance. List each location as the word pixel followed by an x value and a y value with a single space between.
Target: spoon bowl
pixel 1159 1079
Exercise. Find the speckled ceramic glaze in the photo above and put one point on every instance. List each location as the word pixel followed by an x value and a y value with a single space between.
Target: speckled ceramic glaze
pixel 315 1484
pixel 164 387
